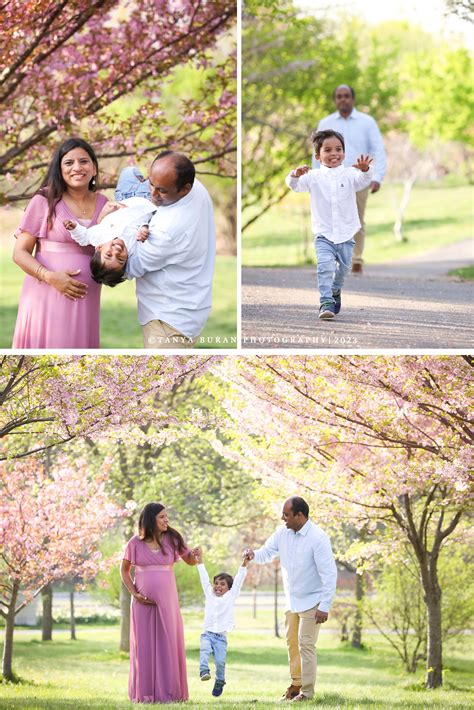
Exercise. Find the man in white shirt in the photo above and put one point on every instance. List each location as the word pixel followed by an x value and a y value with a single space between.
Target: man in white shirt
pixel 309 581
pixel 361 136
pixel 175 266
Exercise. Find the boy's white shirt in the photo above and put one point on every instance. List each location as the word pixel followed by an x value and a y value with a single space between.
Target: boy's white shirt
pixel 219 611
pixel 332 196
pixel 122 223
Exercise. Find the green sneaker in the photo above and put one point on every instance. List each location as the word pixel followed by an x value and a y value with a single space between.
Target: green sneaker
pixel 326 310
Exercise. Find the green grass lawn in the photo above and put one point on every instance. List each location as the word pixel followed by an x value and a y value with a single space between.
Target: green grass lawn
pixel 466 273
pixel 119 325
pixel 435 216
pixel 91 674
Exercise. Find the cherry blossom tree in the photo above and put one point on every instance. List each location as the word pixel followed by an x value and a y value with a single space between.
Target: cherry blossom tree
pixel 51 399
pixel 64 64
pixel 51 524
pixel 382 443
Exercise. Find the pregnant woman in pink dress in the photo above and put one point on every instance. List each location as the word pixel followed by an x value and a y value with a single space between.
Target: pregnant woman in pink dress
pixel 157 653
pixel 60 302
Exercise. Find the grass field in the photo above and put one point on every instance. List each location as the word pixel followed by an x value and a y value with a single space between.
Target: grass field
pixel 435 216
pixel 119 325
pixel 91 674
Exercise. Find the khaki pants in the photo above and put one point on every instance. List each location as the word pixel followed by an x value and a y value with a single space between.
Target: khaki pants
pixel 160 335
pixel 301 636
pixel 361 198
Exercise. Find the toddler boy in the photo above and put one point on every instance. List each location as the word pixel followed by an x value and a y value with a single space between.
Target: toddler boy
pixel 334 217
pixel 220 598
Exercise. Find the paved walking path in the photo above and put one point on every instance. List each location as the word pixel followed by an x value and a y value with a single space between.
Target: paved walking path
pixel 409 304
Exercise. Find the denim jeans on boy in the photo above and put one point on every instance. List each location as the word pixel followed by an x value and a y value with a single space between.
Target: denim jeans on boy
pixel 217 645
pixel 131 183
pixel 334 262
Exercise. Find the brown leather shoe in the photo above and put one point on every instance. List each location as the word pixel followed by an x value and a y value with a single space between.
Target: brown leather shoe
pixel 291 692
pixel 356 268
pixel 300 698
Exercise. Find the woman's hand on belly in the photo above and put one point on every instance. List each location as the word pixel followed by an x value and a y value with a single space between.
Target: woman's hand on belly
pixel 143 600
pixel 63 282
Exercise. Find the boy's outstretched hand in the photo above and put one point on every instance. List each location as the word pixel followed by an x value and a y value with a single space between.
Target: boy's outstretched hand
pixel 302 170
pixel 363 163
pixel 69 224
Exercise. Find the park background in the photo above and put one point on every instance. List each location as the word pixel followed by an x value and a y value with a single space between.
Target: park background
pixel 133 79
pixel 380 446
pixel 410 64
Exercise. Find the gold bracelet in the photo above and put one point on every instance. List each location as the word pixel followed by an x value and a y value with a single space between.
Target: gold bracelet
pixel 40 271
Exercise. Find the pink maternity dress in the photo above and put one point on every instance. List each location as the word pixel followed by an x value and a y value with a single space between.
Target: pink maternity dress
pixel 157 653
pixel 47 318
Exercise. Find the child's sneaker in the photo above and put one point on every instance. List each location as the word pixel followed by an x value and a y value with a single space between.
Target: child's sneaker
pixel 205 675
pixel 218 688
pixel 327 310
pixel 337 301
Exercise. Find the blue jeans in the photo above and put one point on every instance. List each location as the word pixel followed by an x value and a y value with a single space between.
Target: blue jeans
pixel 131 183
pixel 217 645
pixel 334 262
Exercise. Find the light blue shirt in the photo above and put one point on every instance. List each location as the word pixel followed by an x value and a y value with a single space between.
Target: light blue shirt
pixel 361 136
pixel 308 568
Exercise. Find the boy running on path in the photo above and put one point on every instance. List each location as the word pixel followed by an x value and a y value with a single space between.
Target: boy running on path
pixel 334 217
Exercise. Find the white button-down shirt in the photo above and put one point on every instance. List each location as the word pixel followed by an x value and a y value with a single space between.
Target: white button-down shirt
pixel 175 266
pixel 333 202
pixel 361 135
pixel 308 568
pixel 219 611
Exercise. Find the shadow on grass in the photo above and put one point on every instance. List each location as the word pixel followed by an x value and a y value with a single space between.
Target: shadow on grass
pixel 100 703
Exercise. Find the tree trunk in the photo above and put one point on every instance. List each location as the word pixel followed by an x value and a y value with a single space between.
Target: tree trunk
pixel 277 630
pixel 72 615
pixel 7 670
pixel 398 226
pixel 356 641
pixel 47 632
pixel 124 619
pixel 434 676
pixel 254 600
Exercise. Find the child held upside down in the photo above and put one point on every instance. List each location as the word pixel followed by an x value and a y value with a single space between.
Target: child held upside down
pixel 114 238
pixel 334 216
pixel 220 598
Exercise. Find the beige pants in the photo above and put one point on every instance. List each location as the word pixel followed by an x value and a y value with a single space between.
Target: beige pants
pixel 160 335
pixel 301 636
pixel 361 198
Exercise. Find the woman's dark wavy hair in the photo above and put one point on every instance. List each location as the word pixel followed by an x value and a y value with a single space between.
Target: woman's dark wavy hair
pixel 53 186
pixel 147 527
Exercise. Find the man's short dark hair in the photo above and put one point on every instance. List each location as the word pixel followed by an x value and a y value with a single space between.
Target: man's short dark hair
pixel 299 505
pixel 102 275
pixel 226 577
pixel 318 138
pixel 185 170
pixel 347 86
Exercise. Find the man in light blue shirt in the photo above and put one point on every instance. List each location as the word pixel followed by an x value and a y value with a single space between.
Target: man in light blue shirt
pixel 361 136
pixel 309 580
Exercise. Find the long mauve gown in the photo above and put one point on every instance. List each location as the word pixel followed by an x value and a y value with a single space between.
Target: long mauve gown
pixel 47 318
pixel 157 653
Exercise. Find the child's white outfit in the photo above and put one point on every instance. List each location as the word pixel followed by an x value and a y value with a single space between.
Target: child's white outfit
pixel 218 620
pixel 122 223
pixel 334 220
